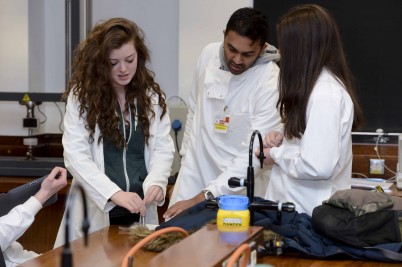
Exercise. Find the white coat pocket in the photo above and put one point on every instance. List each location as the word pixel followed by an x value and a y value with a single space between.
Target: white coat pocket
pixel 237 137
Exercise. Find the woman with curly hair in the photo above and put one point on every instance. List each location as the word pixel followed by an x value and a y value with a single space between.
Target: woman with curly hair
pixel 116 140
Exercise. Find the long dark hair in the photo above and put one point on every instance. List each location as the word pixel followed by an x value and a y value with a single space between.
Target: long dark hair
pixel 309 40
pixel 90 80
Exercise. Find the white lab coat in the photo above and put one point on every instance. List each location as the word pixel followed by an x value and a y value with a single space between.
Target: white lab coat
pixel 85 161
pixel 309 170
pixel 211 158
pixel 12 226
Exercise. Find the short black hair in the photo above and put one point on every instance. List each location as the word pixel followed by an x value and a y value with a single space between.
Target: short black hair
pixel 249 22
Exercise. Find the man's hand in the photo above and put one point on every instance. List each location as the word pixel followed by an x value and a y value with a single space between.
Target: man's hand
pixel 181 206
pixel 56 180
pixel 129 200
pixel 153 195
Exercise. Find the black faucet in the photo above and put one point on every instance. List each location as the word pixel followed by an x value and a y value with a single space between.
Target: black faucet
pixel 250 169
pixel 236 182
pixel 66 254
pixel 249 183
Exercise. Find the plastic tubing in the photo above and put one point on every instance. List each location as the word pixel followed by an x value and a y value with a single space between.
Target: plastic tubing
pixel 244 248
pixel 149 238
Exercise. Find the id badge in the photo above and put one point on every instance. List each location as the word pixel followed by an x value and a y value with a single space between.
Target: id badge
pixel 221 123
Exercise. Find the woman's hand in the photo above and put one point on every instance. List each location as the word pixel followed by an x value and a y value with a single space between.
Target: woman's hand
pixel 153 195
pixel 129 200
pixel 272 139
pixel 268 160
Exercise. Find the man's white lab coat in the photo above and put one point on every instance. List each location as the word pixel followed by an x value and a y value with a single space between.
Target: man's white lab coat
pixel 210 158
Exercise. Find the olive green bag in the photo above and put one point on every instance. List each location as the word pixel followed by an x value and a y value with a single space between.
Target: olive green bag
pixel 360 218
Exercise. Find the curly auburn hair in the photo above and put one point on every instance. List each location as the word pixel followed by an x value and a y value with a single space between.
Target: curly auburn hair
pixel 90 80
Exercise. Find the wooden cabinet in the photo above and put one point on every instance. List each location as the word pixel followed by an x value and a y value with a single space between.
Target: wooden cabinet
pixel 362 153
pixel 41 235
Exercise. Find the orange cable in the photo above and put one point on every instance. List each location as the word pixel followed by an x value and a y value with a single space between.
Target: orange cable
pixel 244 248
pixel 149 238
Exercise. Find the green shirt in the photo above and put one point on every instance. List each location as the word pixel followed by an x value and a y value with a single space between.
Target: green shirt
pixel 115 159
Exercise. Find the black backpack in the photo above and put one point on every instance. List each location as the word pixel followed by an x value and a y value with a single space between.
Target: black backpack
pixel 360 218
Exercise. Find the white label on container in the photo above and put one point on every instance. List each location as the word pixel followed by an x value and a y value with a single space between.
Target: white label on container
pixel 232 221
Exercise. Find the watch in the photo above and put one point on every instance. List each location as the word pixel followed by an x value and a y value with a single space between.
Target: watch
pixel 208 195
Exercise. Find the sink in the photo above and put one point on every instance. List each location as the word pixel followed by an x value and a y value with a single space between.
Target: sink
pixel 20 166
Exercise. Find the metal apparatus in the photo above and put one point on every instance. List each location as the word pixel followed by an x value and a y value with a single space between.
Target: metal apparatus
pixel 31 123
pixel 30 100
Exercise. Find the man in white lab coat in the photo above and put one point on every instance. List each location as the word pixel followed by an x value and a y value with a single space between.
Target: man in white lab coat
pixel 17 221
pixel 234 93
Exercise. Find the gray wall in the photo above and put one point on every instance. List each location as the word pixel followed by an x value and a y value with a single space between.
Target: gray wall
pixel 33 49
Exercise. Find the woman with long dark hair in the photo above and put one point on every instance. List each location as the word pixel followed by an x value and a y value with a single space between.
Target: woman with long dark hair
pixel 318 105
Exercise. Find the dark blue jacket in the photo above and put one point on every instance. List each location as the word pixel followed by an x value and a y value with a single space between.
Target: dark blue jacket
pixel 296 228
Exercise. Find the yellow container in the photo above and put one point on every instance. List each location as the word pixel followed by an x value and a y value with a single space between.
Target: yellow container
pixel 233 213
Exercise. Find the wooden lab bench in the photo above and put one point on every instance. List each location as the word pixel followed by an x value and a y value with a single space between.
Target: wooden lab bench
pixel 107 247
